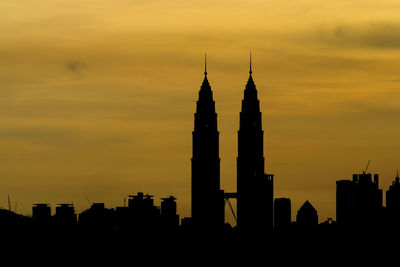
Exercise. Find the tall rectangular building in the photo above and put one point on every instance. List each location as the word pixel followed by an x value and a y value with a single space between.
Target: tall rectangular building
pixel 282 214
pixel 393 202
pixel 346 203
pixel 359 202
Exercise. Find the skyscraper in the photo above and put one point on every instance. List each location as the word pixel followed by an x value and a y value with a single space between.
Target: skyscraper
pixel 169 217
pixel 307 216
pixel 393 202
pixel 254 187
pixel 346 203
pixel 207 197
pixel 282 214
pixel 359 202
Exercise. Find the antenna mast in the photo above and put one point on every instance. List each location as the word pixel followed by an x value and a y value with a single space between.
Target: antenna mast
pixel 250 65
pixel 205 64
pixel 9 203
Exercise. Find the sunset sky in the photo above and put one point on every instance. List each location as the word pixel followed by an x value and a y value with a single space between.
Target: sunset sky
pixel 97 97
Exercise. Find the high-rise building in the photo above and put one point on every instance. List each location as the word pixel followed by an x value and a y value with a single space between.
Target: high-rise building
pixel 141 207
pixel 41 213
pixel 393 201
pixel 169 216
pixel 359 202
pixel 65 214
pixel 207 197
pixel 307 216
pixel 97 216
pixel 346 203
pixel 282 214
pixel 140 216
pixel 254 187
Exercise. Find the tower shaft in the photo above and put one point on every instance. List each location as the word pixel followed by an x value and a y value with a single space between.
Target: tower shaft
pixel 254 187
pixel 207 197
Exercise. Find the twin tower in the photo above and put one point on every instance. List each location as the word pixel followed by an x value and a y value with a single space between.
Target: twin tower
pixel 254 187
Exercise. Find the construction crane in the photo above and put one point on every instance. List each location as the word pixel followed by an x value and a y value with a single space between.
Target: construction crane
pixel 366 168
pixel 227 197
pixel 230 206
pixel 9 203
pixel 90 203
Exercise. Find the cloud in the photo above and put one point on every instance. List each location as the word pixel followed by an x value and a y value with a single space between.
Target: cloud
pixel 382 35
pixel 76 66
pixel 37 135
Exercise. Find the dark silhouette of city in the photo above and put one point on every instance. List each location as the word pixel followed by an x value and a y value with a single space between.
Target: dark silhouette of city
pixel 360 213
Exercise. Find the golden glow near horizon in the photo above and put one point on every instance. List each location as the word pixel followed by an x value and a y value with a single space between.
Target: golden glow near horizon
pixel 97 97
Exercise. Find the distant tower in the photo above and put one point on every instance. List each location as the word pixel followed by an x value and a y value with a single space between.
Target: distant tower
pixel 307 216
pixel 207 197
pixel 254 187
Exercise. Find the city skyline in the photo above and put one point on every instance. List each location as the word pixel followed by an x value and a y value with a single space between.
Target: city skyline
pixel 205 93
pixel 93 97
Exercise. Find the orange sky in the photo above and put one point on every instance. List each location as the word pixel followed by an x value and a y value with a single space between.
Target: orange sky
pixel 97 97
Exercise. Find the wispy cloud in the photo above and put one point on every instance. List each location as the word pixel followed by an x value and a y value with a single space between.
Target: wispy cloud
pixel 76 67
pixel 379 35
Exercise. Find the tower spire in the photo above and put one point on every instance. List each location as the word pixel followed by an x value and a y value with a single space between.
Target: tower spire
pixel 205 64
pixel 250 65
pixel 254 186
pixel 207 212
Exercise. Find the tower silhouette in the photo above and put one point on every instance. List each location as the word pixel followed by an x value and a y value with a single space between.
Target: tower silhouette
pixel 393 201
pixel 282 214
pixel 359 202
pixel 307 216
pixel 254 187
pixel 207 197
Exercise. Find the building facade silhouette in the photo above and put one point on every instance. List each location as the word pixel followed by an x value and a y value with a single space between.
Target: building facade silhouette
pixel 207 196
pixel 393 202
pixel 346 203
pixel 254 187
pixel 282 214
pixel 169 216
pixel 307 216
pixel 65 214
pixel 97 217
pixel 41 213
pixel 359 202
